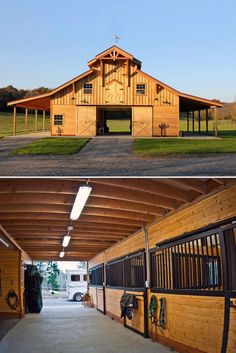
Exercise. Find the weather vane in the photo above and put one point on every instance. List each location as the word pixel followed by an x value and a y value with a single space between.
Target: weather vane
pixel 117 38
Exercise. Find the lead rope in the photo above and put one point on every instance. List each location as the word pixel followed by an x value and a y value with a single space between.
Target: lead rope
pixel 161 322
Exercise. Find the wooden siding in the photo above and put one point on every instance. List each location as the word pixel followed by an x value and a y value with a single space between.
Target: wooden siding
pixel 11 278
pixel 194 321
pixel 69 119
pixel 232 331
pixel 116 88
pixel 166 115
pixel 117 72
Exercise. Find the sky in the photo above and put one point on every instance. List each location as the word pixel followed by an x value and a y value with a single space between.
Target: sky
pixel 190 45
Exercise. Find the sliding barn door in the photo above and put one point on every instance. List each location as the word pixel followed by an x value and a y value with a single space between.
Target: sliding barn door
pixel 142 121
pixel 86 121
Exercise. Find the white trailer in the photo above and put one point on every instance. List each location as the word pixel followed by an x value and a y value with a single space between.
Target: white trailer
pixel 76 284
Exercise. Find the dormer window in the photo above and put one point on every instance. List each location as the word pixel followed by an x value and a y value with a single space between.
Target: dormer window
pixel 140 89
pixel 88 88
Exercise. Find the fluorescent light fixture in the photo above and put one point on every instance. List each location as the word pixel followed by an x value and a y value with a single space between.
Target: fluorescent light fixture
pixel 66 241
pixel 62 254
pixel 80 201
pixel 4 242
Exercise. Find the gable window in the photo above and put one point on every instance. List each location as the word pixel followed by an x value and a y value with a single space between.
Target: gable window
pixel 58 120
pixel 88 88
pixel 140 89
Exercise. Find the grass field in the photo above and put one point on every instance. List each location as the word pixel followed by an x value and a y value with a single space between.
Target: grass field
pixel 53 146
pixel 118 125
pixel 163 146
pixel 222 125
pixel 6 123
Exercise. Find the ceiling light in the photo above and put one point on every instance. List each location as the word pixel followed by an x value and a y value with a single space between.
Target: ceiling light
pixel 66 241
pixel 4 242
pixel 80 201
pixel 62 253
pixel 70 228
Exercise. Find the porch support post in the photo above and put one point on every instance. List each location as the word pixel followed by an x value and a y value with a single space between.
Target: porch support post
pixel 26 120
pixel 14 121
pixel 43 120
pixel 188 121
pixel 199 121
pixel 193 121
pixel 215 119
pixel 207 121
pixel 36 120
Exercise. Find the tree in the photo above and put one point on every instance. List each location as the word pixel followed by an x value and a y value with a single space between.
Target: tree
pixel 50 272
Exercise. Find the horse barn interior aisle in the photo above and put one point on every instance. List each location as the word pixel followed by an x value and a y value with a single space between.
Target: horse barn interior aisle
pixel 161 258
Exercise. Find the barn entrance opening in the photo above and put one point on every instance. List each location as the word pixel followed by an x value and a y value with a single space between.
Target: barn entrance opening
pixel 114 121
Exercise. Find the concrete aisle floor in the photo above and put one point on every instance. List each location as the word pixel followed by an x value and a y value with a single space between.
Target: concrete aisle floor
pixel 67 327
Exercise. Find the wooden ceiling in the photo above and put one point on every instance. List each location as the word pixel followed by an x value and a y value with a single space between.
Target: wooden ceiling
pixel 36 212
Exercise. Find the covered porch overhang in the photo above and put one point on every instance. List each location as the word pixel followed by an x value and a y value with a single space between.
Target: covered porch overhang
pixel 196 110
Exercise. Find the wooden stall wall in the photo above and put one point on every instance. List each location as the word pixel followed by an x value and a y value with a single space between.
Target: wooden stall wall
pixel 11 279
pixel 195 324
pixel 231 348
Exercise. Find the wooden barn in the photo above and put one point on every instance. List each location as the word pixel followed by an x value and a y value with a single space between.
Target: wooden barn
pixel 169 242
pixel 115 88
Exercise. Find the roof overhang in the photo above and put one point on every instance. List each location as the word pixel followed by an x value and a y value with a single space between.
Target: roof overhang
pixel 36 212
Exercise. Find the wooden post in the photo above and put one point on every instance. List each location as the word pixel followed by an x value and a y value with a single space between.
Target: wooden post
pixel 102 72
pixel 43 120
pixel 36 120
pixel 188 121
pixel 14 121
pixel 199 121
pixel 128 72
pixel 193 122
pixel 215 119
pixel 207 121
pixel 26 120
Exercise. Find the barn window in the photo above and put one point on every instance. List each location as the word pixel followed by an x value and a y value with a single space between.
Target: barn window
pixel 140 89
pixel 193 264
pixel 127 273
pixel 114 272
pixel 88 88
pixel 58 120
pixel 96 276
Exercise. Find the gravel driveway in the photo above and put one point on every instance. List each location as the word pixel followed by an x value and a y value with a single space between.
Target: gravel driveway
pixel 110 157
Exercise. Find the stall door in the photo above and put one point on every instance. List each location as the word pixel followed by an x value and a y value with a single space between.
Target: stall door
pixel 100 299
pixel 142 121
pixel 86 121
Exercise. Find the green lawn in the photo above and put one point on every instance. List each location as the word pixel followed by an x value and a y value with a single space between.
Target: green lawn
pixel 163 146
pixel 6 123
pixel 222 125
pixel 53 146
pixel 118 125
